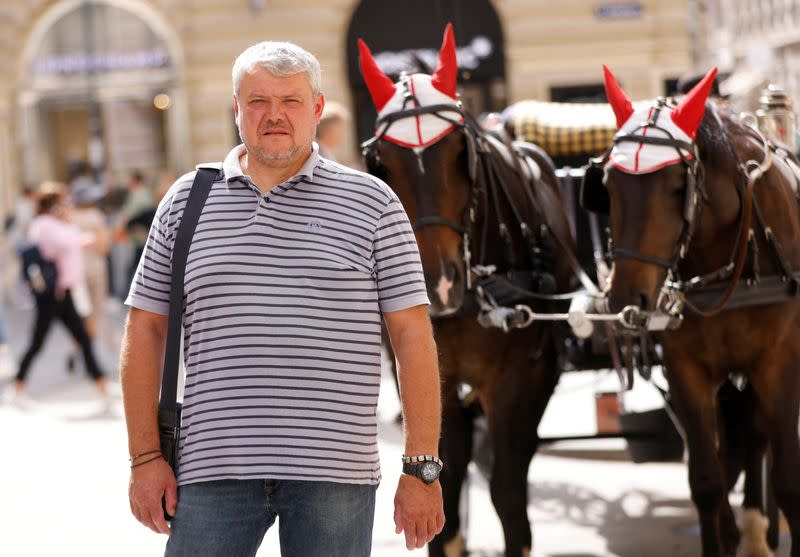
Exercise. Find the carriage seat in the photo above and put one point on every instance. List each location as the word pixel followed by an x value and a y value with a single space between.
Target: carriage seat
pixel 530 168
pixel 564 129
pixel 789 166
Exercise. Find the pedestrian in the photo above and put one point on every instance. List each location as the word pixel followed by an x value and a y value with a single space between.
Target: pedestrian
pixel 60 241
pixel 91 220
pixel 139 202
pixel 18 237
pixel 293 262
pixel 6 359
pixel 332 131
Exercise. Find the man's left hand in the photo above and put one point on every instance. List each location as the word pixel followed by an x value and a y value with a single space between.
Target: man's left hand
pixel 418 510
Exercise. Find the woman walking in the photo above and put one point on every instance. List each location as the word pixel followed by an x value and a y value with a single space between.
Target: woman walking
pixel 62 242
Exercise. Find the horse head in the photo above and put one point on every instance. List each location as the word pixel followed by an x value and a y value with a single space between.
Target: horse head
pixel 653 181
pixel 419 150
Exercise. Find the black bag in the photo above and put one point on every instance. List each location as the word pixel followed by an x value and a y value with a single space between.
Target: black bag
pixel 169 410
pixel 38 272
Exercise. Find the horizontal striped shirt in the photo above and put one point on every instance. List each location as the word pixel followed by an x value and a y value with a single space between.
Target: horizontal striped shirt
pixel 282 323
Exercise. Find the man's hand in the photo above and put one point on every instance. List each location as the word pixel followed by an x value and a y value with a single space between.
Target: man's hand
pixel 418 510
pixel 149 483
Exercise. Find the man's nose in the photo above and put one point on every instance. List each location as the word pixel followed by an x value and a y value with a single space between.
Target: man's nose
pixel 273 110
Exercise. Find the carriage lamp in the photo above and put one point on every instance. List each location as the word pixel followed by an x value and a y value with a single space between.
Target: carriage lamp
pixel 776 117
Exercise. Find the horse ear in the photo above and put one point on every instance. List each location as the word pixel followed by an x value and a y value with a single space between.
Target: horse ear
pixel 619 101
pixel 381 88
pixel 689 112
pixel 446 75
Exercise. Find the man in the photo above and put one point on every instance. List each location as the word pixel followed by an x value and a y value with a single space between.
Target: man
pixel 293 262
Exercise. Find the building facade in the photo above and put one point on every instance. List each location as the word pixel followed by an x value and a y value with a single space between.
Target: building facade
pixel 145 84
pixel 757 42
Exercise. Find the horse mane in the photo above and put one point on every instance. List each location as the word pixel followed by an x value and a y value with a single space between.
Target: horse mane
pixel 713 135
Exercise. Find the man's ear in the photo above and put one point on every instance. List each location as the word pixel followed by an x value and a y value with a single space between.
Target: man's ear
pixel 319 106
pixel 236 109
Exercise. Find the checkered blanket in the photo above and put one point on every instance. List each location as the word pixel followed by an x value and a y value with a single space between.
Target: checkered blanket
pixel 564 128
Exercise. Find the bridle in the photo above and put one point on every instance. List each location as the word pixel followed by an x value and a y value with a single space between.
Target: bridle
pixel 484 162
pixel 694 194
pixel 473 134
pixel 674 291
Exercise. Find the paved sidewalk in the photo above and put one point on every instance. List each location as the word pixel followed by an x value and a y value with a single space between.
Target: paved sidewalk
pixel 64 474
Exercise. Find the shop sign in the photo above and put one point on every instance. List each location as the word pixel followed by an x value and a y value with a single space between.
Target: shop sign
pixel 99 62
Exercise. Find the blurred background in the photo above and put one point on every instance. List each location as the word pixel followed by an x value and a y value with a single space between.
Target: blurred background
pixel 117 98
pixel 144 85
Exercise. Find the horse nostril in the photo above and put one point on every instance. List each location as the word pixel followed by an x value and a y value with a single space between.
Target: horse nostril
pixel 644 301
pixel 450 271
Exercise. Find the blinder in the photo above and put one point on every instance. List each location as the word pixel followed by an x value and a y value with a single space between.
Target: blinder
pixel 593 195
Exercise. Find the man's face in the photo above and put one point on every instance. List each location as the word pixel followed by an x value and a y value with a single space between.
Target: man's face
pixel 277 117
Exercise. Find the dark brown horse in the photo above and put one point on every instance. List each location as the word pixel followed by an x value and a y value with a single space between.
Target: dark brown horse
pixel 705 228
pixel 471 202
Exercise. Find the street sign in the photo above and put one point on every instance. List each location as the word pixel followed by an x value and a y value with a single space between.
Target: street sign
pixel 627 10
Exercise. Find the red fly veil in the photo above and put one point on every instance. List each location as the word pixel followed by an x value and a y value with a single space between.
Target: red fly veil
pixel 440 88
pixel 681 122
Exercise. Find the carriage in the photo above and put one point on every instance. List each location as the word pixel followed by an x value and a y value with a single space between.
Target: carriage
pixel 503 273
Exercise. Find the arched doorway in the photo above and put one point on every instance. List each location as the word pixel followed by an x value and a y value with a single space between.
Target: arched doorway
pixel 101 82
pixel 400 33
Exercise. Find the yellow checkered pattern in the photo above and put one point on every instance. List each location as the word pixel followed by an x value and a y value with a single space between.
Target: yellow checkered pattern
pixel 565 128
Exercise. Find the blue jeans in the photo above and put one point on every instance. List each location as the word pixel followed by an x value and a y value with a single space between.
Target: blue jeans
pixel 230 517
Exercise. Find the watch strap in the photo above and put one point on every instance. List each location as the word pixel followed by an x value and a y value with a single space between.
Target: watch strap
pixel 417 459
pixel 415 469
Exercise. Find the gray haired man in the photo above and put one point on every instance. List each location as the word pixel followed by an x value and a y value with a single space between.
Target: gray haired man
pixel 294 261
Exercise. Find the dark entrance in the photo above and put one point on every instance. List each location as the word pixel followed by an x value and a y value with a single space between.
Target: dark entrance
pixel 407 35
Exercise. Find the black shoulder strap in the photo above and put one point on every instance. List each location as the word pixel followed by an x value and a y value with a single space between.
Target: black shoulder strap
pixel 203 181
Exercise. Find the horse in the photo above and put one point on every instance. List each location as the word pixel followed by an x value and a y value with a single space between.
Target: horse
pixel 571 133
pixel 704 227
pixel 489 243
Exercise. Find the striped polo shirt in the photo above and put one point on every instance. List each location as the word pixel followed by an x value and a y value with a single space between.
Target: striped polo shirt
pixel 282 323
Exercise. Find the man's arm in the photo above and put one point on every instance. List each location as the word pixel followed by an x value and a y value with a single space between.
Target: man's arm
pixel 418 507
pixel 140 365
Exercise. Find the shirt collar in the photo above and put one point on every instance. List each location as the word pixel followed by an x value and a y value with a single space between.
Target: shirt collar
pixel 233 169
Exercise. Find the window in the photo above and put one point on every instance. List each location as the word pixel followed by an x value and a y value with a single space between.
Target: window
pixel 591 93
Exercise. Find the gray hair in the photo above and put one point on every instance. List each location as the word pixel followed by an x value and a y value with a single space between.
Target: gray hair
pixel 278 58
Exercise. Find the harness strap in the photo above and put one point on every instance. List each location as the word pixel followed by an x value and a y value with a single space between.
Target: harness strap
pixel 624 253
pixel 772 241
pixel 654 140
pixel 741 255
pixel 770 289
pixel 429 220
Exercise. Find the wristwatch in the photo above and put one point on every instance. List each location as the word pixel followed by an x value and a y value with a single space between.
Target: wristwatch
pixel 424 467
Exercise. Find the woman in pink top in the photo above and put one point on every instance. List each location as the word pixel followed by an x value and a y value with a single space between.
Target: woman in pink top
pixel 61 242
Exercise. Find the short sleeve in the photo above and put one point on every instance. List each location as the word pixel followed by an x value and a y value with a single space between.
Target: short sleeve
pixel 151 283
pixel 398 270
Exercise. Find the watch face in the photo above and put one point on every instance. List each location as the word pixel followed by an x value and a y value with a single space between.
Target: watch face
pixel 429 471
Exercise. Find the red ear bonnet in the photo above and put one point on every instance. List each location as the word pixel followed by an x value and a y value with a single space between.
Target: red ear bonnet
pixel 445 77
pixel 380 86
pixel 620 103
pixel 689 112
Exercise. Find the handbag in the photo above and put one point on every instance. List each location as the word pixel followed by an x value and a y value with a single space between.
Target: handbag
pixel 169 410
pixel 38 272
